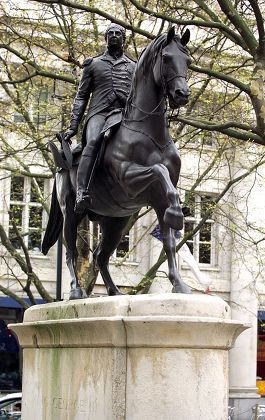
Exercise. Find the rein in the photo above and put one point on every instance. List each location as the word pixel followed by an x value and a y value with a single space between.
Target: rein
pixel 171 116
pixel 161 147
pixel 147 113
pixel 154 112
pixel 151 113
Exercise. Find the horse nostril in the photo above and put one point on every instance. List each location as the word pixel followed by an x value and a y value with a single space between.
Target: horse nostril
pixel 180 92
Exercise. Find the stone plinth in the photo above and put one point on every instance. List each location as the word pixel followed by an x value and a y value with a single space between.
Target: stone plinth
pixel 148 357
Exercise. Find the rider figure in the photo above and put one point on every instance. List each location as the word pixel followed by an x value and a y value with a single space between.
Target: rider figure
pixel 108 77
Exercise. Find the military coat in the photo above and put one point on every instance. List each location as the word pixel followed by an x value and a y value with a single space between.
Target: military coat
pixel 107 80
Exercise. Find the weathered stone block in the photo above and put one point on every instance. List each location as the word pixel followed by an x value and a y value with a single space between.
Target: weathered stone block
pixel 148 357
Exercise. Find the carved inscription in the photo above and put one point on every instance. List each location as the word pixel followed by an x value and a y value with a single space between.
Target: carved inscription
pixel 60 403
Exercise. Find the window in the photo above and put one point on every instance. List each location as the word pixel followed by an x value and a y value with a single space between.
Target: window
pixel 18 118
pixel 123 249
pixel 26 211
pixel 202 244
pixel 38 100
pixel 39 110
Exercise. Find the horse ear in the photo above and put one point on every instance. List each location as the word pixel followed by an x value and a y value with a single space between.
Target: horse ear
pixel 185 37
pixel 170 35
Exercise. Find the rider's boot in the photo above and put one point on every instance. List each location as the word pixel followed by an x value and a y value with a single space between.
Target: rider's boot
pixel 83 199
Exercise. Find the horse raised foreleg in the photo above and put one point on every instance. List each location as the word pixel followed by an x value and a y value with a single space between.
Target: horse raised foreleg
pixel 137 178
pixel 173 215
pixel 112 229
pixel 169 244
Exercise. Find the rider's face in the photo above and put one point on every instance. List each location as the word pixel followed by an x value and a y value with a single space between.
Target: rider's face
pixel 114 38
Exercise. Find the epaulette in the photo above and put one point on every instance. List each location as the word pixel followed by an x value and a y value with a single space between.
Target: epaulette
pixel 87 62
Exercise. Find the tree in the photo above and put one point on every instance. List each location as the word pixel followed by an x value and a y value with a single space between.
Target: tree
pixel 228 29
pixel 44 44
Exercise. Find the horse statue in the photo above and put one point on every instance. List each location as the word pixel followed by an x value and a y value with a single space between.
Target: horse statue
pixel 139 167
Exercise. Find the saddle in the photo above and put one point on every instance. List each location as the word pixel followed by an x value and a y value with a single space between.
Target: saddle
pixel 67 156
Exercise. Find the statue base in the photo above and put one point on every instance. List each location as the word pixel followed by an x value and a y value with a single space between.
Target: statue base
pixel 148 357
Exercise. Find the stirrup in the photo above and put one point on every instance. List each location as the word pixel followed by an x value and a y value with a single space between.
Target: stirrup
pixel 83 200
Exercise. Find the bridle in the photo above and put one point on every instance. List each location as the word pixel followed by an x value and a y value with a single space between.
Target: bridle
pixel 165 80
pixel 150 113
pixel 164 83
pixel 154 112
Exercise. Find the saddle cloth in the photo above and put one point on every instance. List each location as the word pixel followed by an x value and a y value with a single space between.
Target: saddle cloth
pixel 113 120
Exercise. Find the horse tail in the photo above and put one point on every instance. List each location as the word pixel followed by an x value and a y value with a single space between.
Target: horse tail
pixel 55 223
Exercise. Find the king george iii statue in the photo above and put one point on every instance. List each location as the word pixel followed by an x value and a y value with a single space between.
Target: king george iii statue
pixel 107 79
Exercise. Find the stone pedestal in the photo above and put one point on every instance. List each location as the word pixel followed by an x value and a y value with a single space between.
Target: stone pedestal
pixel 148 357
pixel 243 357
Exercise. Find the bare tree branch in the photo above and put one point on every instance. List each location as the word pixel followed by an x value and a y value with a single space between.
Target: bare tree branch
pixel 240 24
pixel 144 285
pixel 228 128
pixel 221 76
pixel 99 12
pixel 201 23
pixel 260 25
pixel 14 296
pixel 21 262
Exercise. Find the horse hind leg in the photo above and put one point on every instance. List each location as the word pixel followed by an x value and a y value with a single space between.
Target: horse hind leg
pixel 112 230
pixel 71 260
pixel 76 291
pixel 93 272
pixel 70 236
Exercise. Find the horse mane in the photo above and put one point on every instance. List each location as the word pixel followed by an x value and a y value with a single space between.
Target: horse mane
pixel 147 60
pixel 150 53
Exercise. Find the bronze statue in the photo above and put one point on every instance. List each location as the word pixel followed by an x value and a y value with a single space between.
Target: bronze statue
pixel 139 165
pixel 108 78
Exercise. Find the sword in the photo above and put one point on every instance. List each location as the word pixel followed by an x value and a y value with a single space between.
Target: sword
pixel 66 149
pixel 57 157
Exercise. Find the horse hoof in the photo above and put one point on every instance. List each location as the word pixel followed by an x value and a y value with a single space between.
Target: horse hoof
pixel 115 292
pixel 76 293
pixel 174 218
pixel 84 294
pixel 182 288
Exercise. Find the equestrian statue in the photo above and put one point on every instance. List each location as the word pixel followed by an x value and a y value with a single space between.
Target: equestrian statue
pixel 126 159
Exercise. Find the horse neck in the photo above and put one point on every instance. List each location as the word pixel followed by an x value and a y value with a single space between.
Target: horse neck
pixel 147 98
pixel 146 109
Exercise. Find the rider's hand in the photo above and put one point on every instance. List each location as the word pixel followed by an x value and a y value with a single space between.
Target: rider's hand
pixel 69 134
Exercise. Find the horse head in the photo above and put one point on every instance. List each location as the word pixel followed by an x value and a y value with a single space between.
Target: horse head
pixel 170 68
